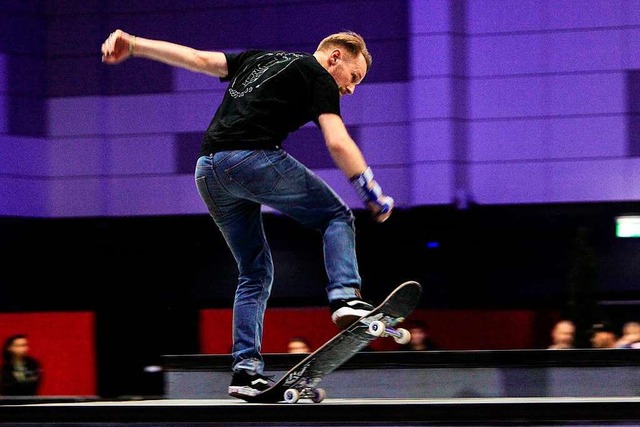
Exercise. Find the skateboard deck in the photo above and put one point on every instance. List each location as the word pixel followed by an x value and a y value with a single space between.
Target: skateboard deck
pixel 301 380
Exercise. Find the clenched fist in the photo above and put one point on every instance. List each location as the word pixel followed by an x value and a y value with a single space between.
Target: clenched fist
pixel 118 47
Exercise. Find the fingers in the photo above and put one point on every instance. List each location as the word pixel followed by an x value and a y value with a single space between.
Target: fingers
pixel 382 217
pixel 378 214
pixel 109 47
pixel 109 44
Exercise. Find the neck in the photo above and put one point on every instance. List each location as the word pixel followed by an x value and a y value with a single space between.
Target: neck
pixel 322 58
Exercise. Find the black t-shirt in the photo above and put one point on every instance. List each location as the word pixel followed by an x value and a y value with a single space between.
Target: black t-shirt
pixel 20 380
pixel 270 94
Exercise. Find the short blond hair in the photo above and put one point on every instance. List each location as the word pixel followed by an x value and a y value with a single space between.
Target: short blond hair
pixel 350 41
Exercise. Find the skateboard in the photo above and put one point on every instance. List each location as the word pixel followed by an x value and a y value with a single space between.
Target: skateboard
pixel 301 381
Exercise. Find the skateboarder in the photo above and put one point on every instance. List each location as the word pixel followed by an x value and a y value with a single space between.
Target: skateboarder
pixel 242 166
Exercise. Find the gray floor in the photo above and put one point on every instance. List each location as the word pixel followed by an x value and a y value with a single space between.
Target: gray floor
pixel 568 411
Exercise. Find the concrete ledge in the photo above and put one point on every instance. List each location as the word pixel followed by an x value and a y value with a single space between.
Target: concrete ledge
pixel 440 374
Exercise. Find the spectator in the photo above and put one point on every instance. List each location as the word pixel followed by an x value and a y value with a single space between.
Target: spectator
pixel 420 338
pixel 630 336
pixel 21 373
pixel 603 335
pixel 298 344
pixel 563 335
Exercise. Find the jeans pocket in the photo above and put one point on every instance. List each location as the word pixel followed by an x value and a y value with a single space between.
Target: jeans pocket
pixel 205 194
pixel 255 173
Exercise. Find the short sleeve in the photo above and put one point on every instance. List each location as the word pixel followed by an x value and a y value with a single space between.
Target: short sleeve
pixel 235 61
pixel 326 97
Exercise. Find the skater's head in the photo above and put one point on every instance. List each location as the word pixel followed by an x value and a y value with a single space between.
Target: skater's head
pixel 345 56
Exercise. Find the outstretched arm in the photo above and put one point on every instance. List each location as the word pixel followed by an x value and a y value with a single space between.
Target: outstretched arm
pixel 348 157
pixel 120 46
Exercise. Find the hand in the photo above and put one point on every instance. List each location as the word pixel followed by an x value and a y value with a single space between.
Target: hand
pixel 371 194
pixel 382 208
pixel 117 47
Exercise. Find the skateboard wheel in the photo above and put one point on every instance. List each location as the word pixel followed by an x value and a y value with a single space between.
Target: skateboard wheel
pixel 376 328
pixel 404 338
pixel 291 395
pixel 318 395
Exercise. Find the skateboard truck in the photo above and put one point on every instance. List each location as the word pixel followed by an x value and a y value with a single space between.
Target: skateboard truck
pixel 378 328
pixel 292 395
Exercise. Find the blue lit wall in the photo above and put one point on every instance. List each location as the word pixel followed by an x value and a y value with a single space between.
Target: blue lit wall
pixel 500 102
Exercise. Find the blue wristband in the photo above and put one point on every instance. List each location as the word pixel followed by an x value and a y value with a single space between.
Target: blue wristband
pixel 366 187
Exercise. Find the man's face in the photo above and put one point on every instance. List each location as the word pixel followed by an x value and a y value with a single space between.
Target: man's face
pixel 603 339
pixel 417 335
pixel 347 71
pixel 563 333
pixel 20 347
pixel 298 347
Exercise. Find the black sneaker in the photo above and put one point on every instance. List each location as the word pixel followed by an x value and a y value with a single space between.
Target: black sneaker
pixel 244 384
pixel 346 311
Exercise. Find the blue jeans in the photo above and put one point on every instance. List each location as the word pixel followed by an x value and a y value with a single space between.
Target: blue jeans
pixel 234 185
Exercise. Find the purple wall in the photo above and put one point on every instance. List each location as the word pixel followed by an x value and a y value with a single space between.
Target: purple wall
pixel 542 92
pixel 502 102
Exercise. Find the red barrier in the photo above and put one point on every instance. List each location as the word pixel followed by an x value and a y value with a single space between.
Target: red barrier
pixel 64 343
pixel 280 324
pixel 450 329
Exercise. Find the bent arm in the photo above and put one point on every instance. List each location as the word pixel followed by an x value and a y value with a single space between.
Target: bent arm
pixel 120 46
pixel 348 157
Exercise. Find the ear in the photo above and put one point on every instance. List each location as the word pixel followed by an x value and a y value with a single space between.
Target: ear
pixel 335 55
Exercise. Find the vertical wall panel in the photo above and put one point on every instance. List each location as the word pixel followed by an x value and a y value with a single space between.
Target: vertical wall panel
pixel 430 56
pixel 548 85
pixel 385 145
pixel 515 182
pixel 428 16
pixel 584 137
pixel 508 97
pixel 430 97
pixel 631 48
pixel 505 16
pixel 597 94
pixel 4 114
pixel 509 140
pixel 95 157
pixel 597 180
pixel 431 183
pixel 632 94
pixel 562 14
pixel 507 54
pixel 22 32
pixel 23 156
pixel 431 140
pixel 24 197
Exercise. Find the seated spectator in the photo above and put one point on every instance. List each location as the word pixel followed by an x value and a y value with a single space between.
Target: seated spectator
pixel 603 335
pixel 298 344
pixel 563 335
pixel 630 336
pixel 21 373
pixel 420 337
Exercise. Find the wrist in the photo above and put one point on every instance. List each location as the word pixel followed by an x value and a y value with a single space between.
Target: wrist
pixel 366 187
pixel 132 45
pixel 371 193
